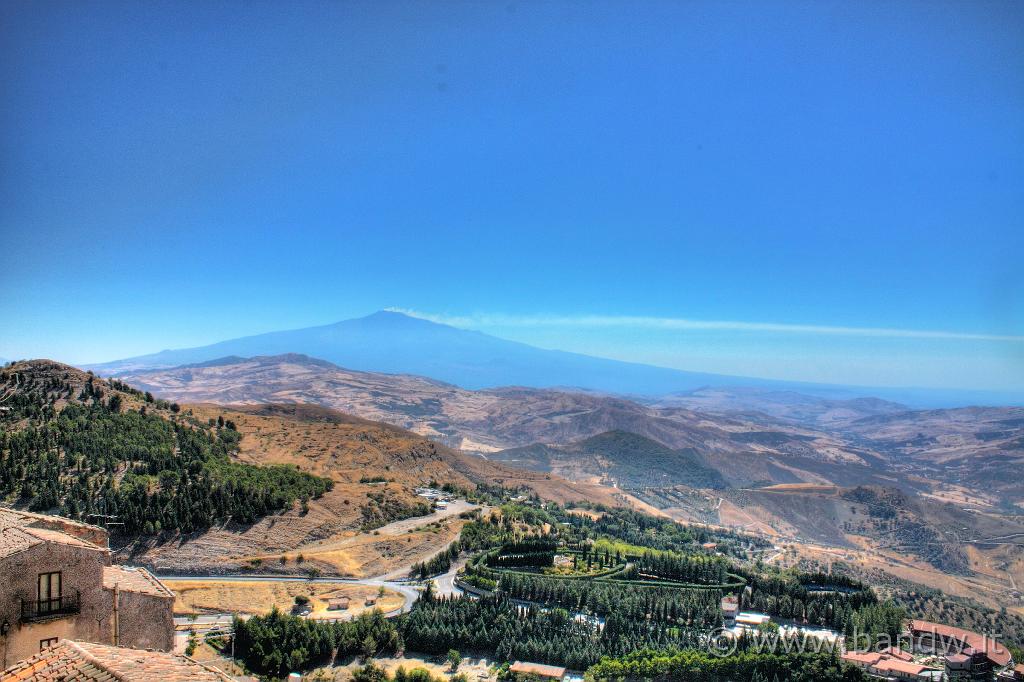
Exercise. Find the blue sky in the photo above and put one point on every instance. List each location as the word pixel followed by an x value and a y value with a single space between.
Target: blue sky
pixel 574 175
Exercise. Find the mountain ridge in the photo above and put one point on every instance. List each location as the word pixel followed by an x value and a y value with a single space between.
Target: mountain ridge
pixel 390 342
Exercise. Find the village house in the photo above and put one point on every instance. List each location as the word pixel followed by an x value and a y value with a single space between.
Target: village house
pixel 68 660
pixel 730 609
pixel 60 583
pixel 894 669
pixel 863 660
pixel 338 604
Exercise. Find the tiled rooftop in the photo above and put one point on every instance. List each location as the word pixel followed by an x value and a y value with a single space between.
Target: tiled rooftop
pixel 69 661
pixel 996 652
pixel 16 538
pixel 862 657
pixel 18 517
pixel 131 579
pixel 896 665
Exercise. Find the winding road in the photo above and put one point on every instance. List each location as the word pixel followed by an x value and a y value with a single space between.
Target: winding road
pixel 393 580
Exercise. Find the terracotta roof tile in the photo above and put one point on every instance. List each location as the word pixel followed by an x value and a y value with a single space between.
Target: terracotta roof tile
pixel 996 652
pixel 862 658
pixel 132 579
pixel 18 517
pixel 69 661
pixel 896 665
pixel 14 539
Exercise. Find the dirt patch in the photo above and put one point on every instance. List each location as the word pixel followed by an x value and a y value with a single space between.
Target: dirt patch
pixel 259 597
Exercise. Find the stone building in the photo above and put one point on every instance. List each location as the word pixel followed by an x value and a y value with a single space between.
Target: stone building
pixel 58 582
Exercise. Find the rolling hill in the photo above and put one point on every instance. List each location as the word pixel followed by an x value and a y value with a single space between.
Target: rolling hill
pixel 497 419
pixel 617 458
pixel 112 433
pixel 977 448
pixel 788 406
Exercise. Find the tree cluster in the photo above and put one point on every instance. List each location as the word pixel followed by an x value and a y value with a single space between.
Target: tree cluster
pixel 694 608
pixel 694 568
pixel 514 632
pixel 277 644
pixel 801 598
pixel 439 563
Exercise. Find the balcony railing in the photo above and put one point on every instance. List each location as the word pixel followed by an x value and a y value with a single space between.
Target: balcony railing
pixel 65 605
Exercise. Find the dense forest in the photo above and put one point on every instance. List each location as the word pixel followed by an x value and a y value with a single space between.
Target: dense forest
pixel 688 608
pixel 530 633
pixel 277 644
pixel 84 453
pixel 804 597
pixel 699 666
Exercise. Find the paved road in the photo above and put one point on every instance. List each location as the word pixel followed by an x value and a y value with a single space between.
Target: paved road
pixel 446 581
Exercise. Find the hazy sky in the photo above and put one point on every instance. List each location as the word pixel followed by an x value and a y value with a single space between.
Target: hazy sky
pixel 780 189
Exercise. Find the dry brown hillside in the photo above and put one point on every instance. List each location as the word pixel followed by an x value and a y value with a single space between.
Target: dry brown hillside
pixel 332 534
pixel 375 468
pixel 488 420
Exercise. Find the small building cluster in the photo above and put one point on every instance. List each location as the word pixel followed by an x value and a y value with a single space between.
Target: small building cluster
pixel 440 498
pixel 941 652
pixel 892 664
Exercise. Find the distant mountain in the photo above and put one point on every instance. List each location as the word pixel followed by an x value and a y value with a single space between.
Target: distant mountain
pixel 791 406
pixel 617 457
pixel 395 343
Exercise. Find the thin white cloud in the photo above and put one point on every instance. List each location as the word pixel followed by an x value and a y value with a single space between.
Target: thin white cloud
pixel 676 323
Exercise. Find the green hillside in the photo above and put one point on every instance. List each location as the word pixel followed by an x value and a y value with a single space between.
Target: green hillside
pixel 639 461
pixel 79 446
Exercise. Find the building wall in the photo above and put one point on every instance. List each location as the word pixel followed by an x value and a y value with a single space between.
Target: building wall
pixel 145 621
pixel 81 570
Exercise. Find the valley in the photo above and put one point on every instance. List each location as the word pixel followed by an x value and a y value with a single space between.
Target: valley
pixel 802 470
pixel 923 497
